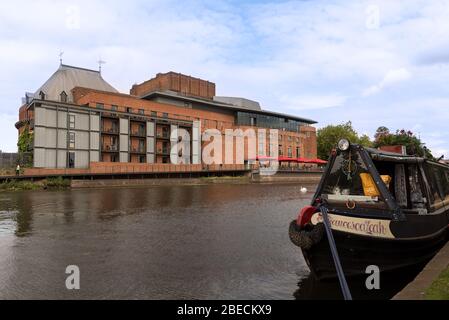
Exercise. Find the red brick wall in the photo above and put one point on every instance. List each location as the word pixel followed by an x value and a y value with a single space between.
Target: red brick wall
pixel 178 82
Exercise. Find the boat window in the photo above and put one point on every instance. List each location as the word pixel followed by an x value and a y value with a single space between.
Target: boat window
pixel 440 176
pixel 350 180
pixel 398 185
pixel 435 188
pixel 417 200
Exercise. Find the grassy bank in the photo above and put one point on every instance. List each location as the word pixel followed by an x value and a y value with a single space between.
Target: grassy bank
pixel 46 184
pixel 439 290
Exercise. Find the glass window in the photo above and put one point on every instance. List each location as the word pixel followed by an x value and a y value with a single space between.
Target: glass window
pixel 71 121
pixel 414 182
pixel 349 179
pixel 141 111
pixel 113 107
pixel 435 187
pixel 165 115
pixel 129 110
pixel 289 152
pixel 63 96
pixel 71 140
pixel 100 106
pixel 153 113
pixel 71 159
pixel 281 152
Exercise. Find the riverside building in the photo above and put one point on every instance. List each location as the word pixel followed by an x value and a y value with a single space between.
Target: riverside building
pixel 78 119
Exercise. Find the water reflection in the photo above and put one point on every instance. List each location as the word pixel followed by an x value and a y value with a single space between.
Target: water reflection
pixel 390 283
pixel 170 242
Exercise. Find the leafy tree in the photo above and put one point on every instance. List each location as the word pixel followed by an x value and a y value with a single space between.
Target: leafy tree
pixel 412 143
pixel 25 142
pixel 25 145
pixel 328 137
pixel 381 131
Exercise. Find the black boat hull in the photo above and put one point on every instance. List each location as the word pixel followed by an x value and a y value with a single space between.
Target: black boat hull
pixel 357 252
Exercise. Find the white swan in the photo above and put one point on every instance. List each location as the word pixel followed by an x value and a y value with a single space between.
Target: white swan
pixel 303 189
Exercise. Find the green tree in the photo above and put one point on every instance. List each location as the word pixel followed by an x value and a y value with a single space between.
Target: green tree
pixel 25 146
pixel 412 143
pixel 328 137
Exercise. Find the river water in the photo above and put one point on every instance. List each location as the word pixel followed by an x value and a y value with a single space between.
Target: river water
pixel 169 242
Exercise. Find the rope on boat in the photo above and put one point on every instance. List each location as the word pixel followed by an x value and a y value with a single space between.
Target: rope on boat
pixel 336 258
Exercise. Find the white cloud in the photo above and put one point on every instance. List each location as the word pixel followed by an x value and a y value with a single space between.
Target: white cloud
pixel 391 77
pixel 293 56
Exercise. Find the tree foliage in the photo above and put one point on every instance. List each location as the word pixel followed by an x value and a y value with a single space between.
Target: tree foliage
pixel 25 142
pixel 412 143
pixel 328 137
pixel 25 146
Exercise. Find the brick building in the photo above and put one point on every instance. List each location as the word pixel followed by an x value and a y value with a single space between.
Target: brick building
pixel 77 119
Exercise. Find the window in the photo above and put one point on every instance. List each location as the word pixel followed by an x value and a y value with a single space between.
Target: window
pixel 271 151
pixel 349 177
pixel 165 115
pixel 42 95
pixel 436 188
pixel 129 110
pixel 253 121
pixel 289 152
pixel 141 111
pixel 71 140
pixel 100 106
pixel 297 152
pixel 63 96
pixel 142 159
pixel 71 160
pixel 281 153
pixel 71 121
pixel 113 107
pixel 289 138
pixel 153 113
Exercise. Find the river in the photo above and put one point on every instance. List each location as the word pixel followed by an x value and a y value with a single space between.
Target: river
pixel 222 241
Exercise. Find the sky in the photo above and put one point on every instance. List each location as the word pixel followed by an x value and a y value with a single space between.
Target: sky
pixel 375 63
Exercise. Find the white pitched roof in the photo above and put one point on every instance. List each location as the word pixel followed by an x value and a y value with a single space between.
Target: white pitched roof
pixel 68 77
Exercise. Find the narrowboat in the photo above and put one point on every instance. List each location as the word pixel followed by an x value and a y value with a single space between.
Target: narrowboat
pixel 385 209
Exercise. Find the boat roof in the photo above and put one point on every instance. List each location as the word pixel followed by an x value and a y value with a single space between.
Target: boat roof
pixel 377 154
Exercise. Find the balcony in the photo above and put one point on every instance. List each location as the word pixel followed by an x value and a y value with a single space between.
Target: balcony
pixel 138 150
pixel 163 151
pixel 138 133
pixel 111 130
pixel 109 148
pixel 163 135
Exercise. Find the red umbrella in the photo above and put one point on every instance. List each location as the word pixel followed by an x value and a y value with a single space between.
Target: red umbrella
pixel 319 161
pixel 286 159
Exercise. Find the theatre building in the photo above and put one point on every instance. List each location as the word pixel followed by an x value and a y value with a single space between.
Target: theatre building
pixel 77 119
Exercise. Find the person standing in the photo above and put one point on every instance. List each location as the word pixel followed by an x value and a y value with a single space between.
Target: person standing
pixel 17 170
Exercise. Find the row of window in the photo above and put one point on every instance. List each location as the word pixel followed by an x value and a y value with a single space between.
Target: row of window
pixel 289 152
pixel 63 97
pixel 131 110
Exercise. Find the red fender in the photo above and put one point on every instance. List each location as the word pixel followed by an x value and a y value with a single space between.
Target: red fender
pixel 305 215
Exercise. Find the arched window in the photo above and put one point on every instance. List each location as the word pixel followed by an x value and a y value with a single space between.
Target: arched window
pixel 42 95
pixel 63 96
